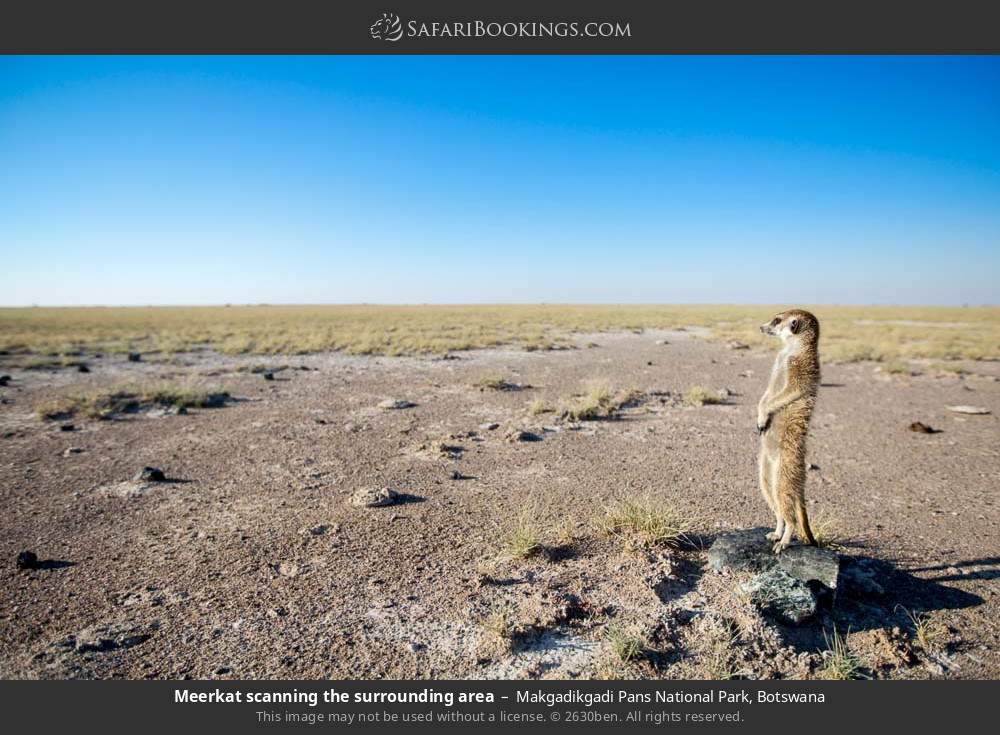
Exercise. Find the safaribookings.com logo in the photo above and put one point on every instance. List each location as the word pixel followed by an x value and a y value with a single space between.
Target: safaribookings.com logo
pixel 390 28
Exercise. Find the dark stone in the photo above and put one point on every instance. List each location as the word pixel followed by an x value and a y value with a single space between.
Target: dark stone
pixel 67 427
pixel 789 586
pixel 4 380
pixel 215 400
pixel 742 550
pixel 150 474
pixel 859 579
pixel 268 375
pixel 134 357
pixel 810 564
pixel 782 597
pixel 27 560
pixel 82 368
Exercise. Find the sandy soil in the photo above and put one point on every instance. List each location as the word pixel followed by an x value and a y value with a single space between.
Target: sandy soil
pixel 253 563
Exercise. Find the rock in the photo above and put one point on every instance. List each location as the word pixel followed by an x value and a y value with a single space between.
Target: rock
pixel 737 345
pixel 489 426
pixel 70 451
pixel 27 560
pixel 520 435
pixel 82 368
pixel 395 404
pixel 751 550
pixel 810 564
pixel 288 569
pixel 922 428
pixel 781 596
pixel 971 410
pixel 4 380
pixel 67 427
pixel 318 530
pixel 149 474
pixel 134 357
pixel 375 497
pixel 813 467
pixel 456 475
pixel 742 550
pixel 268 375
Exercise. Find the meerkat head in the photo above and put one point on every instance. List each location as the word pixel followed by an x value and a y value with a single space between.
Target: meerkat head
pixel 792 325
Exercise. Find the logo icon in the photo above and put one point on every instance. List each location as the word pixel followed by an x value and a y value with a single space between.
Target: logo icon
pixel 387 28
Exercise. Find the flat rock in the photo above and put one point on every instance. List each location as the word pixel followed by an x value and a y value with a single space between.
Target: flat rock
pixel 27 560
pixel 395 404
pixel 520 435
pixel 742 550
pixel 375 497
pixel 971 410
pixel 781 596
pixel 810 564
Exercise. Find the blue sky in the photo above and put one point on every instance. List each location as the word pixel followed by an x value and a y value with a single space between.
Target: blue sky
pixel 324 179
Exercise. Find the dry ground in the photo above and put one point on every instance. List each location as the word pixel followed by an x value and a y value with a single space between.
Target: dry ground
pixel 253 563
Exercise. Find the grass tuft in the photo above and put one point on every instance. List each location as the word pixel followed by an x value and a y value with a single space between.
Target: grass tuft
pixel 128 399
pixel 642 523
pixel 700 396
pixel 625 643
pixel 525 538
pixel 599 402
pixel 841 663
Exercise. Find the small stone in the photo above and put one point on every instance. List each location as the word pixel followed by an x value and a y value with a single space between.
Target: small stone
pixel 520 435
pixel 922 428
pixel 4 380
pixel 27 560
pixel 149 474
pixel 82 368
pixel 318 530
pixel 66 427
pixel 490 426
pixel 813 467
pixel 737 345
pixel 134 357
pixel 268 375
pixel 395 404
pixel 456 475
pixel 70 451
pixel 375 497
pixel 970 410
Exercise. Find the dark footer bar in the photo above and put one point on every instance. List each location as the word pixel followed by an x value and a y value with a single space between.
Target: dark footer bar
pixel 811 707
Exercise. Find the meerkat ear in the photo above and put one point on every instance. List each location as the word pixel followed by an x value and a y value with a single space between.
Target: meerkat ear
pixel 794 326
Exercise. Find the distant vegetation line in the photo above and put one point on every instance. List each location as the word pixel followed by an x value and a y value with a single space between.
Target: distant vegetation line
pixel 850 333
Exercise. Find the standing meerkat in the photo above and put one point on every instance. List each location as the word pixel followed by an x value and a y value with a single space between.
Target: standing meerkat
pixel 783 415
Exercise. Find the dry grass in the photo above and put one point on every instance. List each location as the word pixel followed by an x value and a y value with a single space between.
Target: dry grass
pixel 128 399
pixel 599 402
pixel 826 530
pixel 849 332
pixel 525 538
pixel 495 382
pixel 927 631
pixel 718 641
pixel 840 662
pixel 625 643
pixel 697 395
pixel 643 523
pixel 538 407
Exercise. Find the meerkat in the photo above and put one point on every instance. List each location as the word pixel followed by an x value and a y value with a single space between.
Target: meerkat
pixel 783 415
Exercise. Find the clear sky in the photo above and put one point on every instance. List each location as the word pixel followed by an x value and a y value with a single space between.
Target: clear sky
pixel 324 179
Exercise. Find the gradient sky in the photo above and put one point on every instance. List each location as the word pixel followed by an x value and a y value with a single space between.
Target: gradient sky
pixel 324 179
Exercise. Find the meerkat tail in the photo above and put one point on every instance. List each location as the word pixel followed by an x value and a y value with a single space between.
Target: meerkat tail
pixel 803 523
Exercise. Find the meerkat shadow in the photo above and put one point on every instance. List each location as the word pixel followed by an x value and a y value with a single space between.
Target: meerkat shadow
pixel 874 594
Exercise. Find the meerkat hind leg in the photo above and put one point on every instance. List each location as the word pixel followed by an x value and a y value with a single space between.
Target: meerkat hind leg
pixel 773 477
pixel 766 478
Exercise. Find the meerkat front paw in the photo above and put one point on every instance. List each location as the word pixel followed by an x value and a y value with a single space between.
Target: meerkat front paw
pixel 763 422
pixel 780 546
pixel 773 535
